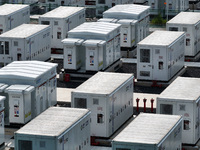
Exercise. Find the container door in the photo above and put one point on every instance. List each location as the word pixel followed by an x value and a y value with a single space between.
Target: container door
pixel 145 66
pixel 92 58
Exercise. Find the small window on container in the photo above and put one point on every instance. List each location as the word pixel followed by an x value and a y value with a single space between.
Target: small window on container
pixel 182 107
pixel 7 48
pixel 101 1
pixel 25 145
pixel 58 35
pixel 99 118
pixel 186 125
pixel 152 5
pixel 145 73
pixel 160 65
pixel 184 29
pixel 157 51
pixel 187 42
pixel 173 28
pixel 45 22
pixel 42 144
pixel 15 43
pixel 145 55
pixel 95 101
pixel 55 23
pixel 166 109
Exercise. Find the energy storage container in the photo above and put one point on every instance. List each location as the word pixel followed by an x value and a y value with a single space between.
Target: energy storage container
pixel 132 11
pixel 188 22
pixel 62 20
pixel 13 15
pixel 150 132
pixel 41 75
pixel 2 131
pixel 19 103
pixel 6 105
pixel 25 42
pixel 108 32
pixel 74 54
pixel 109 96
pixel 55 129
pixel 160 55
pixel 182 97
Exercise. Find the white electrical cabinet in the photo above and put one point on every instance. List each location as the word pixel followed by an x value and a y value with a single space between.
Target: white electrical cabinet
pixel 2 130
pixel 55 129
pixel 188 22
pixel 133 12
pixel 25 42
pixel 151 132
pixel 160 55
pixel 182 97
pixel 73 53
pixel 97 32
pixel 109 96
pixel 62 20
pixel 13 15
pixel 19 103
pixel 41 75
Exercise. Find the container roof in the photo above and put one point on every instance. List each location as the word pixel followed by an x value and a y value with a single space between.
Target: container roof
pixel 24 31
pixel 94 43
pixel 127 9
pixel 183 88
pixel 111 20
pixel 2 98
pixel 7 9
pixel 62 12
pixel 103 83
pixel 148 129
pixel 161 38
pixel 72 41
pixel 26 69
pixel 86 28
pixel 53 122
pixel 3 87
pixel 19 89
pixel 186 18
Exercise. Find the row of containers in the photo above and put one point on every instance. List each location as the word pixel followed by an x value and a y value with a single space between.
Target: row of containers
pixel 106 103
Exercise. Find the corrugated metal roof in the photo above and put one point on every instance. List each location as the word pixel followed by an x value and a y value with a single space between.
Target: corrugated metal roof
pixel 29 69
pixel 53 122
pixel 161 38
pixel 183 88
pixel 7 9
pixel 185 18
pixel 62 12
pixel 147 129
pixel 103 83
pixel 24 31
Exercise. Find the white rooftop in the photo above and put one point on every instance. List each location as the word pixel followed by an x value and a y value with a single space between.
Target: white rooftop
pixel 186 18
pixel 7 9
pixel 183 88
pixel 19 88
pixel 2 98
pixel 24 31
pixel 3 87
pixel 103 83
pixel 53 122
pixel 161 38
pixel 103 28
pixel 148 129
pixel 25 69
pixel 127 9
pixel 72 41
pixel 62 12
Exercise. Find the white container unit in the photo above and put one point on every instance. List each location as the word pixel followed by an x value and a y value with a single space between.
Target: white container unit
pixel 109 96
pixel 150 132
pixel 133 12
pixel 188 22
pixel 62 20
pixel 182 97
pixel 2 131
pixel 74 56
pixel 25 42
pixel 108 32
pixel 13 15
pixel 19 103
pixel 55 129
pixel 160 55
pixel 41 75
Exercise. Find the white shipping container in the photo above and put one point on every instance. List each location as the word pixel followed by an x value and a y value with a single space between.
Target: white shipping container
pixel 62 20
pixel 188 22
pixel 73 53
pixel 181 97
pixel 41 75
pixel 13 15
pixel 19 103
pixel 108 32
pixel 2 130
pixel 109 96
pixel 160 55
pixel 55 129
pixel 150 132
pixel 25 42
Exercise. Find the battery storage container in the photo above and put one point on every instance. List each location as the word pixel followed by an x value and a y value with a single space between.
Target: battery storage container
pixel 2 123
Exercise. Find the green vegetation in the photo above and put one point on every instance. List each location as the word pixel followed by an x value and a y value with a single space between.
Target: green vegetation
pixel 158 20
